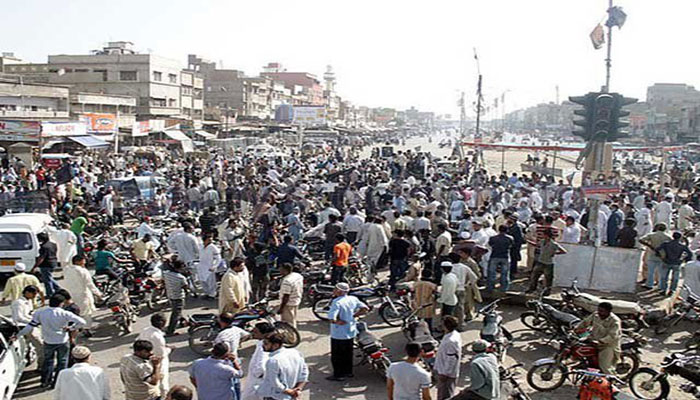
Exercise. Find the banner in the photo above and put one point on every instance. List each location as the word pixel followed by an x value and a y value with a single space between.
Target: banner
pixel 143 128
pixel 100 123
pixel 600 192
pixel 310 115
pixel 12 130
pixel 598 37
pixel 53 129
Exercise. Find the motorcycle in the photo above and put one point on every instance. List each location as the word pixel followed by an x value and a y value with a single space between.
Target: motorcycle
pixel 203 328
pixel 372 352
pixel 493 331
pixel 123 312
pixel 548 374
pixel 595 385
pixel 682 309
pixel 648 384
pixel 391 311
pixel 545 318
pixel 418 331
pixel 582 304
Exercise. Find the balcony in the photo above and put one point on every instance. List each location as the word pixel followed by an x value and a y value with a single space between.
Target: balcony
pixel 33 114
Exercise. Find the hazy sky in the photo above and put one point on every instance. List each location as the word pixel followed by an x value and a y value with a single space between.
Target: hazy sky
pixel 386 52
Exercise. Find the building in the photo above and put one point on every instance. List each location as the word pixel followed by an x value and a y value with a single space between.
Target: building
pixel 117 69
pixel 84 104
pixel 331 99
pixel 28 101
pixel 8 59
pixel 305 87
pixel 192 95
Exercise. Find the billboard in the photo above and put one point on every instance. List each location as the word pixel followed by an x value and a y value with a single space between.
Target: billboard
pixel 54 129
pixel 100 124
pixel 12 130
pixel 310 115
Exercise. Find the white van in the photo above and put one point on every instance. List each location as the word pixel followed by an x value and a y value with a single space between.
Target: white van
pixel 18 241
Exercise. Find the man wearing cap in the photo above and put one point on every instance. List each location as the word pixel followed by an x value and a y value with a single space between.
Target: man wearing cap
pixel 22 309
pixel 342 314
pixel 484 378
pixel 82 381
pixel 16 284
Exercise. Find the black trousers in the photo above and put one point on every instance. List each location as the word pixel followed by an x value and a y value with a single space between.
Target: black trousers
pixel 177 306
pixel 341 357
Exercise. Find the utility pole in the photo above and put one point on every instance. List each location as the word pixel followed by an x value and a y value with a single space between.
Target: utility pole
pixel 462 118
pixel 608 59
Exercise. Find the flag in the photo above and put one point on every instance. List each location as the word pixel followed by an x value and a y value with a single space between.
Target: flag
pixel 616 17
pixel 598 37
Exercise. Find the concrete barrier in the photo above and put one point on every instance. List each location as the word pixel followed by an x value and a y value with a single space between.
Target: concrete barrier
pixel 608 269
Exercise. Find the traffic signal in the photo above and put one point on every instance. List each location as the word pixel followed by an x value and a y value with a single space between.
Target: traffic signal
pixel 617 121
pixel 603 109
pixel 587 101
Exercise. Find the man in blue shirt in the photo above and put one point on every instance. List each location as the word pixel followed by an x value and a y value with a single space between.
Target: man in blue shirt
pixel 288 253
pixel 212 376
pixel 342 314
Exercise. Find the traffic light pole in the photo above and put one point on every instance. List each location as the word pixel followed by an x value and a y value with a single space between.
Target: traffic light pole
pixel 608 60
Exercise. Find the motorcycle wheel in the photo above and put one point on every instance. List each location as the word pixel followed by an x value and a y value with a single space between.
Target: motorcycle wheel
pixel 533 321
pixel 546 377
pixel 321 307
pixel 643 385
pixel 201 340
pixel 155 300
pixel 668 322
pixel 391 317
pixel 628 364
pixel 382 365
pixel 290 333
pixel 126 324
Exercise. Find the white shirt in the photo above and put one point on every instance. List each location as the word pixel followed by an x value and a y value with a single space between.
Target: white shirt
pixel 283 370
pixel 571 234
pixel 460 271
pixel 421 223
pixel 209 259
pixel 22 311
pixel 256 372
pixel 353 223
pixel 231 336
pixel 293 285
pixel 448 292
pixel 82 381
pixel 449 355
pixel 157 339
pixel 409 380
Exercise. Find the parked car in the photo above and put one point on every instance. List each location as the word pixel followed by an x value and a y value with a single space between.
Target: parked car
pixel 14 358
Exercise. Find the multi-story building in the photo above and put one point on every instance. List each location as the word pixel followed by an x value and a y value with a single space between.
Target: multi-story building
pixel 305 87
pixel 8 59
pixel 123 107
pixel 32 101
pixel 191 95
pixel 117 69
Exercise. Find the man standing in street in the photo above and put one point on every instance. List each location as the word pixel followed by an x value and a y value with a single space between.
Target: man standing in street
pixel 343 315
pixel 82 381
pixel 140 373
pixel 22 309
pixel 448 290
pixel 484 378
pixel 209 261
pixel 56 324
pixel 256 364
pixel 501 245
pixel 448 360
pixel 399 251
pixel 341 258
pixel 291 290
pixel 653 260
pixel 331 230
pixel 286 372
pixel 232 336
pixel 443 246
pixel 20 280
pixel 406 379
pixel 606 332
pixel 673 253
pixel 544 263
pixel 175 288
pixel 352 225
pixel 155 335
pixel 212 376
pixel 233 295
pixel 47 262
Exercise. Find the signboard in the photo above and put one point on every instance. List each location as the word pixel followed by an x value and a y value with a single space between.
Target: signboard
pixel 600 192
pixel 54 129
pixel 310 115
pixel 12 130
pixel 100 123
pixel 143 128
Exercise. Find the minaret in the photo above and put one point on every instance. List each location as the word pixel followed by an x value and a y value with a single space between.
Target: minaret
pixel 329 78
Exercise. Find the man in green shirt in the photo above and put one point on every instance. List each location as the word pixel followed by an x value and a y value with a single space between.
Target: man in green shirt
pixel 77 228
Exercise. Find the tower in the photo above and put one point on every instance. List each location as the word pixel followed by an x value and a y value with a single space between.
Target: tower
pixel 329 78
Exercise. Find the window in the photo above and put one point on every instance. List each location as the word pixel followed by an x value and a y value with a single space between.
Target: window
pixel 103 72
pixel 157 76
pixel 172 103
pixel 15 241
pixel 82 70
pixel 158 102
pixel 172 78
pixel 127 75
pixel 186 91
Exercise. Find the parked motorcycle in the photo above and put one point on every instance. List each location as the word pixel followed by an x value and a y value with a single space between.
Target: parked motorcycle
pixel 595 385
pixel 582 304
pixel 123 312
pixel 391 311
pixel 546 318
pixel 576 353
pixel 649 384
pixel 203 328
pixel 371 351
pixel 418 331
pixel 684 308
pixel 493 331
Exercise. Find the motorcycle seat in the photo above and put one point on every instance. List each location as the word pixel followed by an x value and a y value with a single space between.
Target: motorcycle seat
pixel 101 278
pixel 321 287
pixel 620 307
pixel 490 331
pixel 562 317
pixel 405 286
pixel 203 318
pixel 628 344
pixel 366 338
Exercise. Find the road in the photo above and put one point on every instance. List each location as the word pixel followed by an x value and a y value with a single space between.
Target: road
pixel 109 345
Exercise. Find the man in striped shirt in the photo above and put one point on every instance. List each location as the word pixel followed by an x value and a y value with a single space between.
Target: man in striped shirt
pixel 176 288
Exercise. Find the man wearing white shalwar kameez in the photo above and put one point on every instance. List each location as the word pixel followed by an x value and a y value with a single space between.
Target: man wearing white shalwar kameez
pixel 66 242
pixel 78 282
pixel 644 224
pixel 374 244
pixel 256 365
pixel 663 212
pixel 685 216
pixel 209 261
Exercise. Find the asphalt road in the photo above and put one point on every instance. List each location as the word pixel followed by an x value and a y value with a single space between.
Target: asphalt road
pixel 109 345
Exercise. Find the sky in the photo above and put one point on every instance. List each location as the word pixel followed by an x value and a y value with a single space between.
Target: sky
pixel 384 52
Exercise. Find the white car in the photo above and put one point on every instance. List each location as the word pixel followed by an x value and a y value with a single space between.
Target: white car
pixel 14 358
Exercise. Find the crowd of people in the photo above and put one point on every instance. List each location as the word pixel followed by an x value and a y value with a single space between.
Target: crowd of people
pixel 449 232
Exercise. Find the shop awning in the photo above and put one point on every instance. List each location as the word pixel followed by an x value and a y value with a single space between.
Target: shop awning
pixel 89 141
pixel 176 135
pixel 205 134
